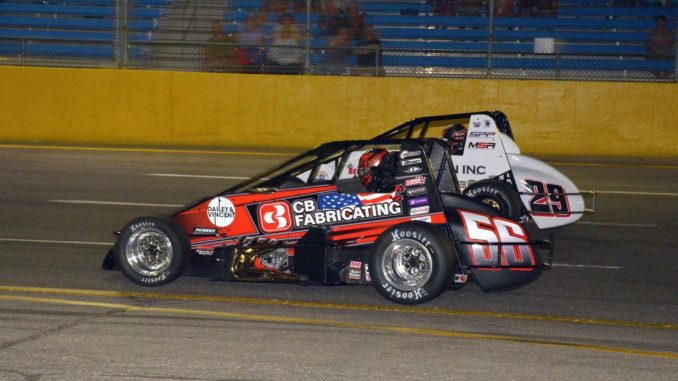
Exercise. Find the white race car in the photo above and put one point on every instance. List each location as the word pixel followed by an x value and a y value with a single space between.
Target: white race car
pixel 490 168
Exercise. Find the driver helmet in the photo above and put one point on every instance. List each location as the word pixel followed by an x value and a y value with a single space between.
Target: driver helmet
pixel 454 135
pixel 369 160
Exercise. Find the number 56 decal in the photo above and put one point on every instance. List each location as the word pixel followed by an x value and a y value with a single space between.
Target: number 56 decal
pixel 485 229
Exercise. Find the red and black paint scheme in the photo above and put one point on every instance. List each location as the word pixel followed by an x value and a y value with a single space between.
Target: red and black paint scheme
pixel 311 220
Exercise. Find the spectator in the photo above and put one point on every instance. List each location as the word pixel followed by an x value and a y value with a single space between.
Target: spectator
pixel 337 52
pixel 528 8
pixel 660 45
pixel 444 7
pixel 503 8
pixel 355 20
pixel 470 8
pixel 368 53
pixel 250 42
pixel 219 50
pixel 548 8
pixel 285 52
pixel 331 19
pixel 277 6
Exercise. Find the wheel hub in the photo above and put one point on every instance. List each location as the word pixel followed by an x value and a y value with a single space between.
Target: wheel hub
pixel 149 252
pixel 407 264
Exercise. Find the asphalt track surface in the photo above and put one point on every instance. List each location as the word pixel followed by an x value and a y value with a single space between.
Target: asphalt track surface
pixel 607 310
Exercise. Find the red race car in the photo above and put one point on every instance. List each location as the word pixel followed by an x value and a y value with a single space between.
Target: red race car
pixel 396 220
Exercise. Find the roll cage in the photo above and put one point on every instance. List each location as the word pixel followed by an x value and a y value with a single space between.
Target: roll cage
pixel 339 153
pixel 419 128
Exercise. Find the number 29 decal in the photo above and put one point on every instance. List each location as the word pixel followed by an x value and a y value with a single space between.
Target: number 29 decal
pixel 485 229
pixel 549 200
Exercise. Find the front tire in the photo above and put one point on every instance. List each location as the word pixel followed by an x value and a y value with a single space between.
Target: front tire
pixel 498 195
pixel 412 263
pixel 151 251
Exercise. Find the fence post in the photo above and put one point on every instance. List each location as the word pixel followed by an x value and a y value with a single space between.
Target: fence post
pixel 121 31
pixel 307 60
pixel 490 32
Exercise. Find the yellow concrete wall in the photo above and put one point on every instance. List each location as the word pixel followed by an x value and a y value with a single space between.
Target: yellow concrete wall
pixel 159 108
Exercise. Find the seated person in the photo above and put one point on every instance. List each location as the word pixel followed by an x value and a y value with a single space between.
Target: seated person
pixel 373 169
pixel 455 137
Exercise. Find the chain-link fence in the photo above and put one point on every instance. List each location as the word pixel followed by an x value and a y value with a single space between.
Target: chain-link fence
pixel 566 39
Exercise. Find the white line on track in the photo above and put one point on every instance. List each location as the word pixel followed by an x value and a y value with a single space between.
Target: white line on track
pixel 22 240
pixel 199 176
pixel 117 203
pixel 619 224
pixel 664 194
pixel 586 266
pixel 54 241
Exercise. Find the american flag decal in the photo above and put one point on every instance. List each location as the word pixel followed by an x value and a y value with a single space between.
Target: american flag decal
pixel 332 201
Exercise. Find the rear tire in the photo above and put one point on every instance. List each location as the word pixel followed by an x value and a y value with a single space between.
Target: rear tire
pixel 498 195
pixel 412 263
pixel 151 251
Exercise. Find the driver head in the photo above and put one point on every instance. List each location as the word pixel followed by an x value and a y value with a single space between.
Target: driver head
pixel 369 160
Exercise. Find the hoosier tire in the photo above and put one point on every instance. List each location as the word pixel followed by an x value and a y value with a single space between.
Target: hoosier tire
pixel 412 263
pixel 498 195
pixel 151 251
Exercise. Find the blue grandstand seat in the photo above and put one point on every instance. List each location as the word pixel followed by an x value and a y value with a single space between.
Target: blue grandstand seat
pixel 618 11
pixel 92 11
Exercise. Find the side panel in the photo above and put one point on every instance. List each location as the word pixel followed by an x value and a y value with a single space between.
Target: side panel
pixel 483 156
pixel 557 202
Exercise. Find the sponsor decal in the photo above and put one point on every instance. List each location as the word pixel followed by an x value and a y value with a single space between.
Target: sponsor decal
pixel 423 219
pixel 323 175
pixel 419 210
pixel 413 170
pixel 204 252
pixel 418 201
pixel 334 208
pixel 486 123
pixel 476 123
pixel 479 134
pixel 481 145
pixel 367 273
pixel 143 224
pixel 221 212
pixel 416 294
pixel 471 169
pixel 404 154
pixel 354 274
pixel 204 231
pixel 416 191
pixel 460 278
pixel 275 217
pixel 410 162
pixel 419 180
pixel 352 170
pixel 355 264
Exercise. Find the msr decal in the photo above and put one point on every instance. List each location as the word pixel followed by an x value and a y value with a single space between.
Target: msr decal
pixel 221 212
pixel 275 217
pixel 481 145
pixel 485 229
pixel 336 207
